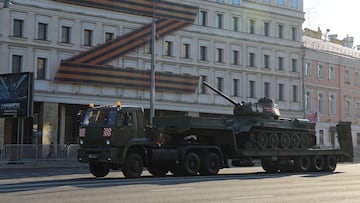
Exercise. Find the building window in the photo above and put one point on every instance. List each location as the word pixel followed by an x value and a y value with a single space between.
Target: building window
pixel 266 29
pixel 295 93
pixel 266 61
pixel 252 59
pixel 347 109
pixel 280 2
pixel 168 48
pixel 281 92
pixel 41 68
pixel 280 31
pixel 332 105
pixel 266 1
pixel 109 36
pixel 65 34
pixel 235 87
pixel 357 79
pixel 308 102
pixel 252 26
pixel 280 63
pixel 358 110
pixel 267 89
pixel 307 70
pixel 321 103
pixel 294 65
pixel 320 73
pixel 16 63
pixel 236 2
pixel 331 73
pixel 202 86
pixel 220 1
pixel 252 89
pixel 220 83
pixel 186 50
pixel 294 33
pixel 321 137
pixel 235 23
pixel 203 18
pixel 88 37
pixel 294 4
pixel 358 138
pixel 18 28
pixel 220 55
pixel 42 31
pixel 219 20
pixel 347 76
pixel 235 57
pixel 203 53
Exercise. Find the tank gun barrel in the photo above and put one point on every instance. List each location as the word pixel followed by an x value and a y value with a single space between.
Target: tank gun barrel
pixel 235 103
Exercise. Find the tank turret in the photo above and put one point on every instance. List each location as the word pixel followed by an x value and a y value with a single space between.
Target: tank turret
pixel 259 125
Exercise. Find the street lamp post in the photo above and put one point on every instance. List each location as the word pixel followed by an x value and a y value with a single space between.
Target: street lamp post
pixel 152 76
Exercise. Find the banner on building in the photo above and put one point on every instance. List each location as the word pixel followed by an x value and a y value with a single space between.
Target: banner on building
pixel 16 95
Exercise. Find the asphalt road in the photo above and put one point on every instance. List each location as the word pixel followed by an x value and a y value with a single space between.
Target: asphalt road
pixel 232 185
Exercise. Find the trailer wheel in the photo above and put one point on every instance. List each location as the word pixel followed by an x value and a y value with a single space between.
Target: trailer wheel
pixel 330 163
pixel 158 169
pixel 191 164
pixel 285 141
pixel 133 165
pixel 318 163
pixel 99 169
pixel 303 163
pixel 269 166
pixel 262 140
pixel 211 164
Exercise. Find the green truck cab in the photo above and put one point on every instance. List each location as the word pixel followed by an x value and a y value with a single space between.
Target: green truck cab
pixel 111 135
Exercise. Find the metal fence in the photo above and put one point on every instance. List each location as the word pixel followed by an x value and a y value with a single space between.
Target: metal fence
pixel 39 155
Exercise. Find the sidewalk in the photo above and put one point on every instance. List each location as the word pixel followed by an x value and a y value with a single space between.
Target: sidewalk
pixel 44 164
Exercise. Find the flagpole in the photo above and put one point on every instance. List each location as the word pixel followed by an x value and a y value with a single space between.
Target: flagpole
pixel 152 76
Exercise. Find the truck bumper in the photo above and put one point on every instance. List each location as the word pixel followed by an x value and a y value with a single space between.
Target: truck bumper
pixel 108 155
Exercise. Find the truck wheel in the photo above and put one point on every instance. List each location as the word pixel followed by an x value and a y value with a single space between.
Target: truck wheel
pixel 303 163
pixel 318 163
pixel 191 164
pixel 133 165
pixel 99 169
pixel 158 169
pixel 211 164
pixel 269 166
pixel 330 163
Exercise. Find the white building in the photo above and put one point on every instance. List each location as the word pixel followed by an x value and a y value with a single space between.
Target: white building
pixel 246 48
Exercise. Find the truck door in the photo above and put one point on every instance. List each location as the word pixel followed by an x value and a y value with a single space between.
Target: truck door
pixel 125 128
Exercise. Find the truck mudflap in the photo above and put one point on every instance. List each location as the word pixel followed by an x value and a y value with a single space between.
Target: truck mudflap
pixel 345 140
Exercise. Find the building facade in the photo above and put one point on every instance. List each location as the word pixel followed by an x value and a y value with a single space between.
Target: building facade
pixel 100 53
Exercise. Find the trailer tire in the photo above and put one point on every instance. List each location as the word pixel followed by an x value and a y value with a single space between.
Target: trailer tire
pixel 99 170
pixel 158 169
pixel 211 164
pixel 133 165
pixel 269 166
pixel 330 163
pixel 191 164
pixel 318 163
pixel 303 163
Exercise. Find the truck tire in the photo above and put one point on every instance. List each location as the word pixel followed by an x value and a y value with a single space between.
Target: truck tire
pixel 158 168
pixel 318 163
pixel 330 163
pixel 191 164
pixel 210 164
pixel 302 163
pixel 133 165
pixel 99 170
pixel 269 166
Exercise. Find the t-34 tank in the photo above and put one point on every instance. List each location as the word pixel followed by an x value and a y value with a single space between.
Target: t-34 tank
pixel 259 126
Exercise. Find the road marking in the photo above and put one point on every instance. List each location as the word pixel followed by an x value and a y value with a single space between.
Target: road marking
pixel 170 189
pixel 253 197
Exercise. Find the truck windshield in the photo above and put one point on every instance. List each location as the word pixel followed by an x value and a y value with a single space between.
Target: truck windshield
pixel 99 117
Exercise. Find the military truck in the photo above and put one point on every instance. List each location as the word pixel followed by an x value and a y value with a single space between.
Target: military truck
pixel 116 137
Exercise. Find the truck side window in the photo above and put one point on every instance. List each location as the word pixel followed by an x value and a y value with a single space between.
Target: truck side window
pixel 125 119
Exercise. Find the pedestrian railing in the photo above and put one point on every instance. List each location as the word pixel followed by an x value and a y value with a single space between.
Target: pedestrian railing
pixel 32 154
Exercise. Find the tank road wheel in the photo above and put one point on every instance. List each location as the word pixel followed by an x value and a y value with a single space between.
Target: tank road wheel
pixel 133 165
pixel 273 140
pixel 303 163
pixel 191 164
pixel 211 164
pixel 330 163
pixel 99 169
pixel 304 141
pixel 262 140
pixel 294 141
pixel 318 163
pixel 284 141
pixel 158 169
pixel 269 166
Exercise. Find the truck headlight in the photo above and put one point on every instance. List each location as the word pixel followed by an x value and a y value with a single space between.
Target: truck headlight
pixel 81 141
pixel 108 142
